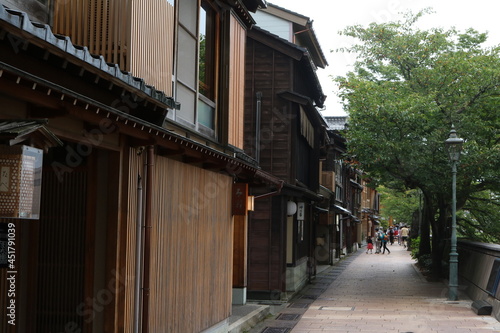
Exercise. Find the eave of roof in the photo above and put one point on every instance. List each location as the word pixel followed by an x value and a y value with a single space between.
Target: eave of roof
pixel 242 11
pixel 341 209
pixel 356 184
pixel 307 102
pixel 336 122
pixel 253 5
pixel 298 191
pixel 314 45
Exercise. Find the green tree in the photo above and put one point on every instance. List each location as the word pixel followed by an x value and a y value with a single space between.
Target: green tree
pixel 407 89
pixel 400 205
pixel 479 218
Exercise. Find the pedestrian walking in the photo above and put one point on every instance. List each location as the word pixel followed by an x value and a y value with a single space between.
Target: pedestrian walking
pixel 391 235
pixel 396 235
pixel 385 239
pixel 379 236
pixel 369 245
pixel 404 235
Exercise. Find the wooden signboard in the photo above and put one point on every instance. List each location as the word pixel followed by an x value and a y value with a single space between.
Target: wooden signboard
pixel 20 181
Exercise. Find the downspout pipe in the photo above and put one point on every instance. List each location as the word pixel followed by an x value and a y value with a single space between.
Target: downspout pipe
pixel 147 238
pixel 270 194
pixel 138 258
pixel 257 125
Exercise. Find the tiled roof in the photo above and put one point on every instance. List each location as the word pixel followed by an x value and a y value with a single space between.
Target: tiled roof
pixel 336 123
pixel 18 130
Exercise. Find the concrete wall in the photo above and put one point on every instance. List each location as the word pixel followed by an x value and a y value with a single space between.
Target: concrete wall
pixel 296 277
pixel 478 272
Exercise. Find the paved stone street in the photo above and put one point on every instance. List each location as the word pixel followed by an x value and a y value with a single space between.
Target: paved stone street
pixel 377 293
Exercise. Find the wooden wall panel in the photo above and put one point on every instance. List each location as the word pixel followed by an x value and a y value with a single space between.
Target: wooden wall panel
pixel 100 25
pixel 191 248
pixel 136 163
pixel 259 242
pixel 62 250
pixel 152 42
pixel 136 35
pixel 269 72
pixel 240 256
pixel 267 247
pixel 236 83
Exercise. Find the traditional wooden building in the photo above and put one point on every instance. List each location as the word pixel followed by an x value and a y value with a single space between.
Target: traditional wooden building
pixel 138 109
pixel 284 134
pixel 335 177
pixel 370 209
pixel 354 206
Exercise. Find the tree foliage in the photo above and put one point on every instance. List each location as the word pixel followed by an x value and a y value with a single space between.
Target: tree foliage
pixel 479 218
pixel 398 204
pixel 407 89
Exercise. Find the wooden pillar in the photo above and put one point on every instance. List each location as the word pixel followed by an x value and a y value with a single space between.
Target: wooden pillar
pixel 240 247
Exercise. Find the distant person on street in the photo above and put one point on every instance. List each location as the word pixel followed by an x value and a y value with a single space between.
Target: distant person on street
pixel 379 235
pixel 404 235
pixel 396 235
pixel 391 235
pixel 385 239
pixel 369 245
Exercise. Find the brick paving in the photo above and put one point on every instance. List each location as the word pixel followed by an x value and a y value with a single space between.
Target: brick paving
pixel 377 293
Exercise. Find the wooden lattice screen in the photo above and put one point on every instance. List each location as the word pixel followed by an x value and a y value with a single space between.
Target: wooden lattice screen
pixel 137 35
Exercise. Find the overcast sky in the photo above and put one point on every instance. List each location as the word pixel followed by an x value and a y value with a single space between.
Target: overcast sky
pixel 331 16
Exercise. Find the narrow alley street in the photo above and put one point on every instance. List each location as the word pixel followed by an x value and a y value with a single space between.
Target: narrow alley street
pixel 376 293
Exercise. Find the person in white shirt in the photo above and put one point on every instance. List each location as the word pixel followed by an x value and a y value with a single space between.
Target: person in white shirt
pixel 404 235
pixel 379 235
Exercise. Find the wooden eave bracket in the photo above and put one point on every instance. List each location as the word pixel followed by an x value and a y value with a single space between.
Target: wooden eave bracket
pixel 242 12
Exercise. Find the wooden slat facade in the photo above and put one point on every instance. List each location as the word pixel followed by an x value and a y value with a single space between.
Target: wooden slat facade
pixel 54 258
pixel 151 42
pixel 191 253
pixel 236 84
pixel 135 170
pixel 136 35
pixel 61 254
pixel 100 25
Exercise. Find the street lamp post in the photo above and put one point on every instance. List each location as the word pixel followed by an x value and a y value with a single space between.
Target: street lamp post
pixel 454 145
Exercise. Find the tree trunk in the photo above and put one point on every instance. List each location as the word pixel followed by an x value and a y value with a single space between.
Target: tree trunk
pixel 425 231
pixel 439 237
pixel 436 251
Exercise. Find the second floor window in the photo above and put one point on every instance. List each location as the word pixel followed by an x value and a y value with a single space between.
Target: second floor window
pixel 207 65
pixel 206 73
pixel 339 181
pixel 197 65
